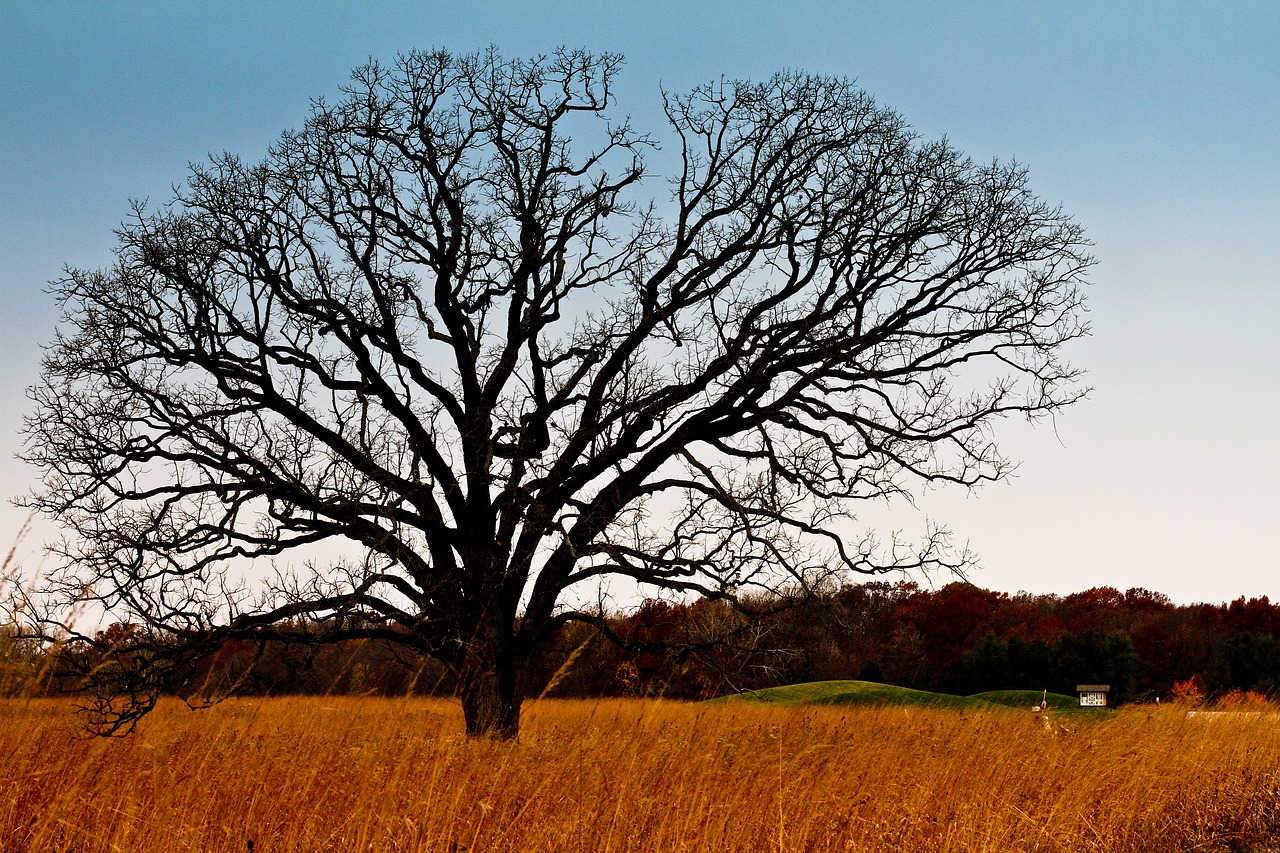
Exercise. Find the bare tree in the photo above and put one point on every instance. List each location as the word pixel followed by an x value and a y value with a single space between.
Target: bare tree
pixel 428 326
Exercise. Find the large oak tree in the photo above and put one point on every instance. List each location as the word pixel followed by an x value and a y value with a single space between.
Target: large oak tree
pixel 450 358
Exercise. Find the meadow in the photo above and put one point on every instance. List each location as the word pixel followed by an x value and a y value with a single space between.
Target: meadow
pixel 348 774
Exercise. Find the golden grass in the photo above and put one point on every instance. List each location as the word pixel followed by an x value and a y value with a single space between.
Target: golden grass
pixel 321 774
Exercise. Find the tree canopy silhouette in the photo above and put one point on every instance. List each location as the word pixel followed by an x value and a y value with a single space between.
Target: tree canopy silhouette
pixel 441 355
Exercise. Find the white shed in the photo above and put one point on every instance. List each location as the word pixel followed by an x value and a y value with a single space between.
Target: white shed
pixel 1093 695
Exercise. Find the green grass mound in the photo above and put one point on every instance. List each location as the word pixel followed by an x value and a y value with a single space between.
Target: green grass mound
pixel 1028 699
pixel 873 693
pixel 859 693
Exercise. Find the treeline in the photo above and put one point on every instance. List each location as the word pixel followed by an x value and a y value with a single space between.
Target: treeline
pixel 956 639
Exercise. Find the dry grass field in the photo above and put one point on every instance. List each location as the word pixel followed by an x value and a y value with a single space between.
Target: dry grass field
pixel 348 774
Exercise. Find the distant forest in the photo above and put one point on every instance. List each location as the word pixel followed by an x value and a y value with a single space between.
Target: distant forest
pixel 955 639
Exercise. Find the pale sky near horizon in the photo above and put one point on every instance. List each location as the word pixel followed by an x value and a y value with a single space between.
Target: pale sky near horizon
pixel 1157 125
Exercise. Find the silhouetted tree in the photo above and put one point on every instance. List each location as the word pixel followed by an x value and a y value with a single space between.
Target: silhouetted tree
pixel 431 325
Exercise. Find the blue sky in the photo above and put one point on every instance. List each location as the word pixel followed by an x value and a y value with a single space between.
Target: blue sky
pixel 1156 124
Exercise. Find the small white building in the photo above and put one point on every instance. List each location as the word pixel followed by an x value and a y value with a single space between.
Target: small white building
pixel 1093 695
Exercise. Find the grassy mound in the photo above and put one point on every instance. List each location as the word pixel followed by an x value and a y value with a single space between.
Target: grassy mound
pixel 1028 699
pixel 872 693
pixel 860 693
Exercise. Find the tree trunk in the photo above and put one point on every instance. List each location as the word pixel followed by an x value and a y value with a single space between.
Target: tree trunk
pixel 489 684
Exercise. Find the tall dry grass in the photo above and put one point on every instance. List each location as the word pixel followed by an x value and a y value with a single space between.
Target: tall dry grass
pixel 346 774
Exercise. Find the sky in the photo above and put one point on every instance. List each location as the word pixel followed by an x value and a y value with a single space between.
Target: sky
pixel 1156 125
